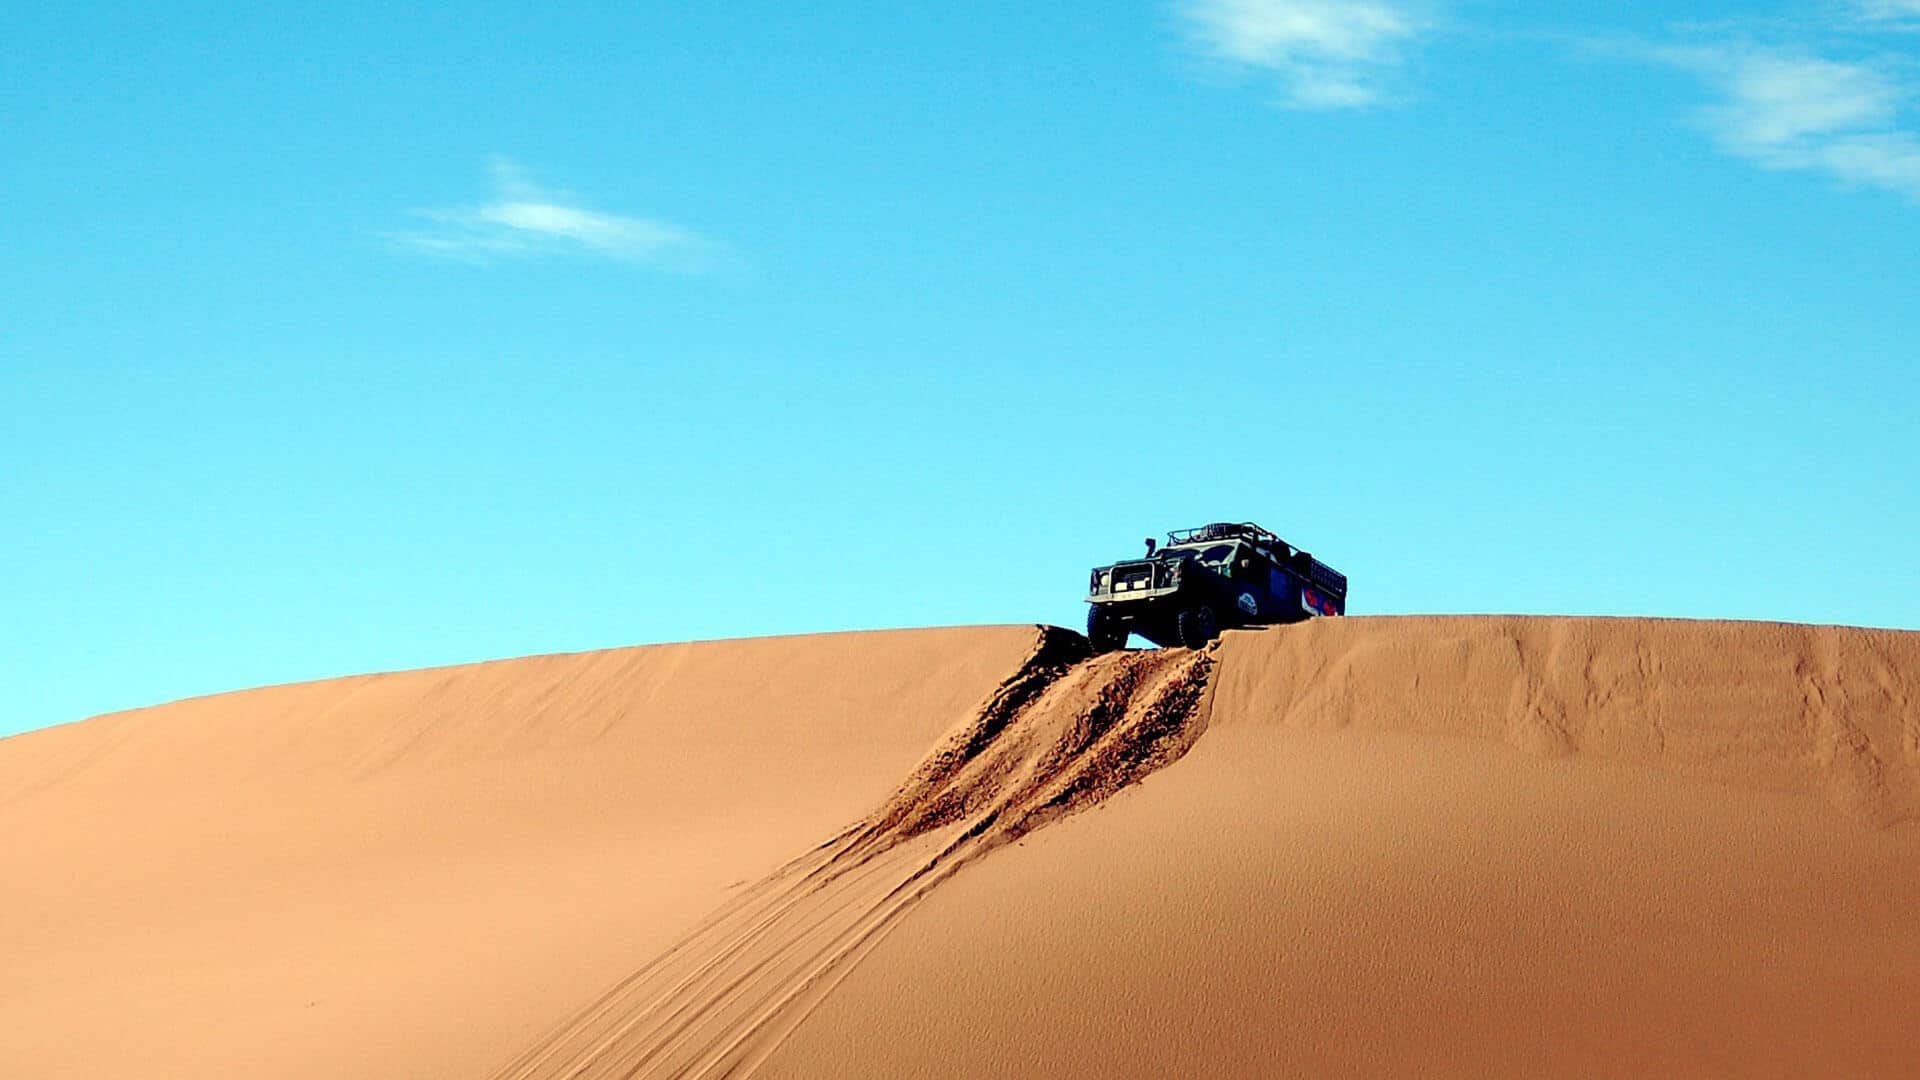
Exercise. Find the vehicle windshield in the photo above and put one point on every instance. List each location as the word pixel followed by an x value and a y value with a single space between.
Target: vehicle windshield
pixel 1209 554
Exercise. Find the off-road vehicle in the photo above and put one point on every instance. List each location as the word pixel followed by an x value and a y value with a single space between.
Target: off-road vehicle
pixel 1206 580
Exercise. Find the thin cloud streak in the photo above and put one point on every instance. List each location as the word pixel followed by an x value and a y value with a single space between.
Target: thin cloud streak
pixel 1328 54
pixel 1896 14
pixel 1794 111
pixel 522 220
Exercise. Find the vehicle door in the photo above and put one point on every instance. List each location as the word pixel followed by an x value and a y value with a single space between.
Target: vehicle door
pixel 1246 573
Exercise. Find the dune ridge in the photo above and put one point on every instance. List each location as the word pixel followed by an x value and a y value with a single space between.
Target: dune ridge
pixel 625 700
pixel 1822 710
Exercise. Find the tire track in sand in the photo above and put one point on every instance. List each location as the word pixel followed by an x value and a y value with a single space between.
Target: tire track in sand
pixel 1063 733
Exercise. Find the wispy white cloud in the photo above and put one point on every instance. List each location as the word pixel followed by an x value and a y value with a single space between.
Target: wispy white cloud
pixel 1328 54
pixel 1827 93
pixel 1898 14
pixel 1784 109
pixel 521 219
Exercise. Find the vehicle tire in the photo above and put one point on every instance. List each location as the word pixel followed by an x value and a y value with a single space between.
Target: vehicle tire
pixel 1107 633
pixel 1197 626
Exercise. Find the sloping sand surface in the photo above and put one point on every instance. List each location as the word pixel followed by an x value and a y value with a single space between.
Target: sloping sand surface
pixel 413 875
pixel 1061 735
pixel 1428 846
pixel 1452 847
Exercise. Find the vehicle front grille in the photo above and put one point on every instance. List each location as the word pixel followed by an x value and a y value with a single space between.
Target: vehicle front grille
pixel 1133 577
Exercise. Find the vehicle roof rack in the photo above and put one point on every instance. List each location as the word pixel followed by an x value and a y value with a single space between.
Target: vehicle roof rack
pixel 1226 530
pixel 1318 572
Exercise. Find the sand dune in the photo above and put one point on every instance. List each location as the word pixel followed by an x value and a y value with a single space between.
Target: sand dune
pixel 1452 847
pixel 1456 846
pixel 414 875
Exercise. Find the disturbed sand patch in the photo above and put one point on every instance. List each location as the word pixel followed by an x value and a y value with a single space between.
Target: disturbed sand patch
pixel 1065 732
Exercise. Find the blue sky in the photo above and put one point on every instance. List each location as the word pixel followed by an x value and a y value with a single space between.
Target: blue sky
pixel 356 337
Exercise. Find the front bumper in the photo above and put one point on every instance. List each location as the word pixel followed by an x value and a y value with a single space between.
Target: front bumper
pixel 1132 597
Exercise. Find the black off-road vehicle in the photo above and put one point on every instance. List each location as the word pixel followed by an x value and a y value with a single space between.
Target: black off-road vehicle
pixel 1208 579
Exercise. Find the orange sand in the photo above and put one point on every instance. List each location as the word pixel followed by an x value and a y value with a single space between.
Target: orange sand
pixel 1379 846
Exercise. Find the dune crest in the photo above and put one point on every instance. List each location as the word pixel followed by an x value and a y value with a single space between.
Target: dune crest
pixel 1821 710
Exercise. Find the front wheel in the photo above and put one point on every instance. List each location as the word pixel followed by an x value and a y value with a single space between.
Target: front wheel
pixel 1107 633
pixel 1197 626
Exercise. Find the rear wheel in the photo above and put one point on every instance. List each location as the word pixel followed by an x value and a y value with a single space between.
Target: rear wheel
pixel 1106 632
pixel 1197 626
